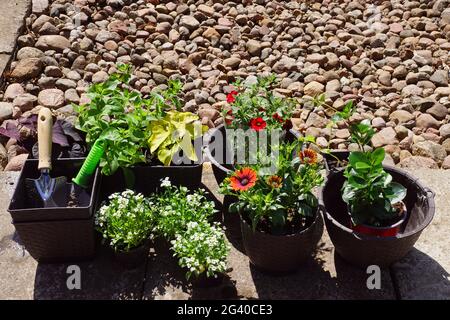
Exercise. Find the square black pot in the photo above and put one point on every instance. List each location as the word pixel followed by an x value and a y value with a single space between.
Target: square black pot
pixel 55 234
pixel 148 178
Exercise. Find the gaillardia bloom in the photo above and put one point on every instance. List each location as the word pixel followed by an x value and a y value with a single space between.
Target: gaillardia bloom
pixel 274 181
pixel 257 124
pixel 308 156
pixel 243 179
pixel 230 96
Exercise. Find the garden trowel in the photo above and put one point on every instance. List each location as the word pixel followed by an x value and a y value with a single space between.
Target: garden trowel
pixel 78 194
pixel 46 191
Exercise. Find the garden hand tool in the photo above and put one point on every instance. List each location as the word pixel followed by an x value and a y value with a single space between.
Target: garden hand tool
pixel 47 191
pixel 78 194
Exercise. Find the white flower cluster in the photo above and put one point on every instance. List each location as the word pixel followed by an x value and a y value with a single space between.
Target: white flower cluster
pixel 201 248
pixel 165 182
pixel 176 207
pixel 126 221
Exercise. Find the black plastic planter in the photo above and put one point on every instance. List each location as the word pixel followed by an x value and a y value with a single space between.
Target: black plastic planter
pixel 148 178
pixel 363 250
pixel 281 253
pixel 133 258
pixel 335 160
pixel 55 234
pixel 220 168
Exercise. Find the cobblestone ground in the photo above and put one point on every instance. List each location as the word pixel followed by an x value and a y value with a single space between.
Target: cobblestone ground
pixel 391 57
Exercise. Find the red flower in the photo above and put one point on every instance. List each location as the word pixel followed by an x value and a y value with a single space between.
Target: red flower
pixel 229 117
pixel 243 179
pixel 258 124
pixel 277 117
pixel 230 96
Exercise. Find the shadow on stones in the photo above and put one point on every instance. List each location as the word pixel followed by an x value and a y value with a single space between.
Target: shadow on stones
pixel 101 279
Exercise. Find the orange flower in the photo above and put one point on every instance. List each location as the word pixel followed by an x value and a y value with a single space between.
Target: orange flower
pixel 308 156
pixel 274 182
pixel 243 179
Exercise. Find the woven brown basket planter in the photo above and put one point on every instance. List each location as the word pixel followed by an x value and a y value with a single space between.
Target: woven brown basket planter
pixel 281 254
pixel 361 250
pixel 55 234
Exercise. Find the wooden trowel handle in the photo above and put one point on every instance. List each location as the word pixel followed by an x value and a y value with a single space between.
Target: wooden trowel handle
pixel 45 126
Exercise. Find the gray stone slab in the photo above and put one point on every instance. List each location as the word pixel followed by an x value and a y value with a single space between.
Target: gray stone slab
pixel 424 273
pixel 325 276
pixel 11 23
pixel 101 279
pixel 17 267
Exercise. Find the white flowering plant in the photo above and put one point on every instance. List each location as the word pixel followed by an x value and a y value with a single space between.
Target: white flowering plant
pixel 176 207
pixel 126 220
pixel 201 249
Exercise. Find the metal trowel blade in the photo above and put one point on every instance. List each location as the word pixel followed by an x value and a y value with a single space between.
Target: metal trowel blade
pixel 47 192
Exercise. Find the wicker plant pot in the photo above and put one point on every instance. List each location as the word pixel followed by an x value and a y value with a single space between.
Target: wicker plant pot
pixel 363 250
pixel 218 159
pixel 60 234
pixel 281 253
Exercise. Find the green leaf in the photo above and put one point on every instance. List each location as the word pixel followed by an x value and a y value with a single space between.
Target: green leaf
pixel 377 156
pixel 396 192
pixel 348 193
pixel 160 132
pixel 362 166
pixel 356 157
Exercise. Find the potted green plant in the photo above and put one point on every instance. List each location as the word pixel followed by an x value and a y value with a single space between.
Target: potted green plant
pixel 251 109
pixel 202 250
pixel 183 220
pixel 176 206
pixel 375 202
pixel 367 204
pixel 280 222
pixel 126 223
pixel 145 137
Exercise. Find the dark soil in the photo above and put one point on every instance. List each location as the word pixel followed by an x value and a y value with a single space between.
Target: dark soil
pixel 293 225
